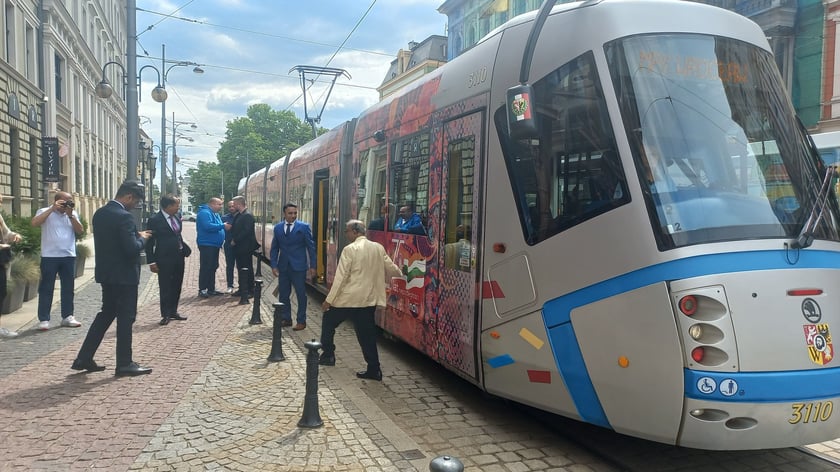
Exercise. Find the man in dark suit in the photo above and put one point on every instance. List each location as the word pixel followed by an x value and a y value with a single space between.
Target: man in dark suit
pixel 292 259
pixel 243 240
pixel 165 252
pixel 117 246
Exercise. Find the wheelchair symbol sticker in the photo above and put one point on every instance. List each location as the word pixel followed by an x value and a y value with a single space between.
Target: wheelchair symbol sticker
pixel 706 385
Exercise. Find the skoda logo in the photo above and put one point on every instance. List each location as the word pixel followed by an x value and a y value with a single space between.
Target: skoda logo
pixel 811 310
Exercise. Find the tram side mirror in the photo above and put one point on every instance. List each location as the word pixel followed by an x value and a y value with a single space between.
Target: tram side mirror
pixel 522 121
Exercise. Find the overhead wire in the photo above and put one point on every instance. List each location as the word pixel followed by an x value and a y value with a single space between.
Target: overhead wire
pixel 338 49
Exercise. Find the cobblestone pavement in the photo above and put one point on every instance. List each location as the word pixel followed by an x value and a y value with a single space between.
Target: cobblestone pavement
pixel 213 401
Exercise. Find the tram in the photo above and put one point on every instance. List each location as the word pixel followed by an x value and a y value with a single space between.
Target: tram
pixel 640 235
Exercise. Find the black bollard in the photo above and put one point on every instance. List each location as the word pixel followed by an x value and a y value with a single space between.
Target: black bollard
pixel 255 313
pixel 244 287
pixel 311 417
pixel 446 464
pixel 276 354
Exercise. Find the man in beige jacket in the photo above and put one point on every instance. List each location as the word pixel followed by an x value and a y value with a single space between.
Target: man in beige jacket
pixel 358 288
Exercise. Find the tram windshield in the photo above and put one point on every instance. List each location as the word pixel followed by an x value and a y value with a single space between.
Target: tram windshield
pixel 717 147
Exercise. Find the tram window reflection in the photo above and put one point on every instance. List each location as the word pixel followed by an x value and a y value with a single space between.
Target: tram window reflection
pixel 572 172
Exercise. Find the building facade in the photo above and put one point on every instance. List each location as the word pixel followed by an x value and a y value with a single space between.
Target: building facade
pixel 412 63
pixel 80 36
pixel 54 52
pixel 21 108
pixel 794 29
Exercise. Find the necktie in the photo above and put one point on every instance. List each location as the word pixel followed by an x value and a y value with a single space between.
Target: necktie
pixel 175 229
pixel 288 227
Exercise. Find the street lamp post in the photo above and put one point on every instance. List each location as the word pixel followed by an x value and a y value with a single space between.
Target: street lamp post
pixel 164 74
pixel 104 89
pixel 175 137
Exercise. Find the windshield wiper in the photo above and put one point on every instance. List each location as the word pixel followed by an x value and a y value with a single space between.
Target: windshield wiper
pixel 806 236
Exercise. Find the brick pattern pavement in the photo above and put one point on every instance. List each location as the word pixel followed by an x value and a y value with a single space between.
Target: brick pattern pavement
pixel 213 402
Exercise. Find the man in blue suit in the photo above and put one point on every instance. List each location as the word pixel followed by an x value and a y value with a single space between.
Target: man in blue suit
pixel 292 259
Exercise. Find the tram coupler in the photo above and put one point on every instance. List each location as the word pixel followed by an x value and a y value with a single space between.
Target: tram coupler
pixel 276 354
pixel 255 312
pixel 311 417
pixel 446 464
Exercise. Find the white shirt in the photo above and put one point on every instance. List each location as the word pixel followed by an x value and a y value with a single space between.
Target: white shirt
pixel 57 236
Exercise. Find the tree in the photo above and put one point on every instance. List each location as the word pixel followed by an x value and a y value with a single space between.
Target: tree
pixel 252 142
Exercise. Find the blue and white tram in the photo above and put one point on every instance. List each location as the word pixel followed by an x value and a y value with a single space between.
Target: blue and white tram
pixel 657 256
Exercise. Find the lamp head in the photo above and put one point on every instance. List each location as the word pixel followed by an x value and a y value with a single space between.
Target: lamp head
pixel 104 89
pixel 159 94
pixel 198 70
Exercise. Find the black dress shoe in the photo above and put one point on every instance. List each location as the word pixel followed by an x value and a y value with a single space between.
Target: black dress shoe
pixel 89 366
pixel 366 374
pixel 326 360
pixel 285 322
pixel 177 316
pixel 236 293
pixel 164 321
pixel 132 370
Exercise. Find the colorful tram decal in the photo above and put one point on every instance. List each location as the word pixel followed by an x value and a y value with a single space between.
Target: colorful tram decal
pixel 651 249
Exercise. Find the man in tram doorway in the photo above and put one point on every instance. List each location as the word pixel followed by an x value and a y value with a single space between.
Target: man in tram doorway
pixel 358 288
pixel 292 259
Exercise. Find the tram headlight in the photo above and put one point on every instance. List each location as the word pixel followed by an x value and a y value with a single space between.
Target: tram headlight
pixel 696 332
pixel 688 305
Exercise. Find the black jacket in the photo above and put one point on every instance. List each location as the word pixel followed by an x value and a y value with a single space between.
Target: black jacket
pixel 117 245
pixel 163 246
pixel 242 236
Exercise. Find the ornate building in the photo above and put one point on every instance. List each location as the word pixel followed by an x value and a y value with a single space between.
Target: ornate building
pixel 64 136
pixel 793 28
pixel 21 107
pixel 412 63
pixel 79 37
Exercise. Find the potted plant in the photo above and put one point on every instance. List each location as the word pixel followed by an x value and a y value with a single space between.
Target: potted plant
pixel 82 253
pixel 22 270
pixel 32 282
pixel 82 250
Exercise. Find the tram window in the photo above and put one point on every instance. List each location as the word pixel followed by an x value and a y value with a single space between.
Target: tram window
pixel 572 172
pixel 459 250
pixel 371 193
pixel 410 174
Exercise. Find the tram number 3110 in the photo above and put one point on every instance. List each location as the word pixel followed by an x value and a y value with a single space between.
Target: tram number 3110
pixel 810 412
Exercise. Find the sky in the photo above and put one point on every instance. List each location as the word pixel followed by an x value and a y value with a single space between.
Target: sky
pixel 247 49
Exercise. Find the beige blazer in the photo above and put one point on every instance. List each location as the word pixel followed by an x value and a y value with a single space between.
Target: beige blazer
pixel 360 278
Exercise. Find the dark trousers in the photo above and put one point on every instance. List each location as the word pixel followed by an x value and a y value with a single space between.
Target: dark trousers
pixel 230 264
pixel 365 324
pixel 65 269
pixel 208 262
pixel 170 280
pixel 118 302
pixel 245 265
pixel 287 280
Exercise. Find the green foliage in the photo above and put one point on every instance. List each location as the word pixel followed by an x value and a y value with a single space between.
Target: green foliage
pixel 82 250
pixel 24 268
pixel 83 221
pixel 30 243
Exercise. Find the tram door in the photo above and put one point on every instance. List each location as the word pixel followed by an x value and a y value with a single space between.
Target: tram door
pixel 320 224
pixel 458 263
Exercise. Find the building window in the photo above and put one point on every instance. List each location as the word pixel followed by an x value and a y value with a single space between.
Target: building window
pixel 29 53
pixel 59 78
pixel 10 33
